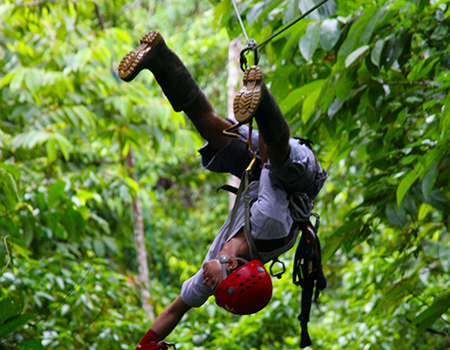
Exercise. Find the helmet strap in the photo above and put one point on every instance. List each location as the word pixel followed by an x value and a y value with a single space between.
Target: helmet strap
pixel 223 262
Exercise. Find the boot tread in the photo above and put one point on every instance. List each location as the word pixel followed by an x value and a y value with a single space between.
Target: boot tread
pixel 248 99
pixel 134 61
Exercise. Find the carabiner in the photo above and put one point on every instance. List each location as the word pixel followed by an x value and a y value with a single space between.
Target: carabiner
pixel 279 273
pixel 251 46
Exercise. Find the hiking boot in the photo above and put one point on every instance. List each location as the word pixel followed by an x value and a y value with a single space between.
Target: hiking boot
pixel 256 100
pixel 140 58
pixel 153 54
pixel 248 99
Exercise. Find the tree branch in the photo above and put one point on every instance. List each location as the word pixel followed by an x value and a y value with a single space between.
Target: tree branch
pixel 99 16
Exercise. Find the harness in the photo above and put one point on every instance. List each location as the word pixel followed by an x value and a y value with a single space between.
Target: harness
pixel 307 270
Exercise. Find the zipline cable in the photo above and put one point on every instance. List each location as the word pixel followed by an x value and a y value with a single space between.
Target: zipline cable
pixel 254 48
pixel 291 24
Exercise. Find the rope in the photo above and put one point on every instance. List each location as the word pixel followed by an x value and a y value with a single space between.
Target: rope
pixel 240 19
pixel 301 206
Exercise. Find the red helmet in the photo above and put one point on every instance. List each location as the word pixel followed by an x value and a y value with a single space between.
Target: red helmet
pixel 246 290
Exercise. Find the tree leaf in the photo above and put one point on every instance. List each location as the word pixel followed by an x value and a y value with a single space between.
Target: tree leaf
pixel 296 96
pixel 408 181
pixel 372 23
pixel 12 324
pixel 334 107
pixel 429 179
pixel 310 41
pixel 17 80
pixel 291 11
pixel 427 317
pixel 344 85
pixel 444 124
pixel 309 104
pixel 10 307
pixel 99 248
pixel 254 12
pixel 395 215
pixel 375 55
pixel 64 145
pixel 55 192
pixel 30 344
pixel 329 33
pixel 392 50
pixel 355 55
pixel 10 191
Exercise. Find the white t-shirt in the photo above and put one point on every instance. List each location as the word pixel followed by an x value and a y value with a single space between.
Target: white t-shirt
pixel 269 219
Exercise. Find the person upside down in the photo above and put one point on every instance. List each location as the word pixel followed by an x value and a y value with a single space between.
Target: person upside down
pixel 233 270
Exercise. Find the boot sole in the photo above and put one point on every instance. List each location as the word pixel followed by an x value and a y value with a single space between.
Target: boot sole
pixel 248 99
pixel 134 61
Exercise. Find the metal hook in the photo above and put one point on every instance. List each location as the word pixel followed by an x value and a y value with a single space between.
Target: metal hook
pixel 251 46
pixel 279 273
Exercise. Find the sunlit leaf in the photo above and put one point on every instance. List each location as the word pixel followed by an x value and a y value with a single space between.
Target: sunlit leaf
pixel 310 41
pixel 355 55
pixel 309 104
pixel 296 96
pixel 375 55
pixel 329 33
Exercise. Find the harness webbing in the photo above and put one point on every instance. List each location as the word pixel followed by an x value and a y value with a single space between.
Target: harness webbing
pixel 243 190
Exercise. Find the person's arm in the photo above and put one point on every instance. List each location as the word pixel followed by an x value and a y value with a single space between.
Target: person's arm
pixel 164 324
pixel 170 317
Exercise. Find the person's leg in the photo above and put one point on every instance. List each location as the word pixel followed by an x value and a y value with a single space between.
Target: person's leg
pixel 178 85
pixel 256 100
pixel 164 324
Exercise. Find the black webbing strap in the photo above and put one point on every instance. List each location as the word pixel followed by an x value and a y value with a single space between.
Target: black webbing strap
pixel 228 188
pixel 308 273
